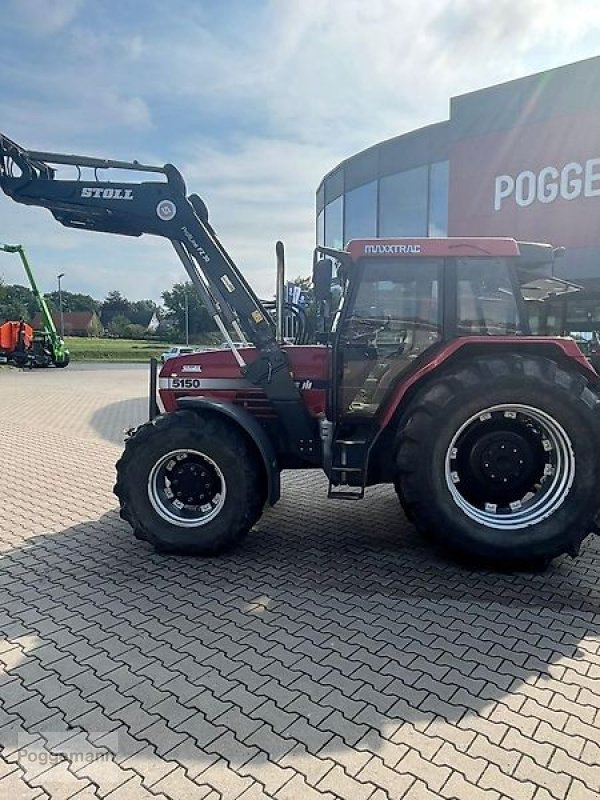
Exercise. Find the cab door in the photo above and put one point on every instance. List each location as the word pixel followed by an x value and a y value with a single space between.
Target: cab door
pixel 393 316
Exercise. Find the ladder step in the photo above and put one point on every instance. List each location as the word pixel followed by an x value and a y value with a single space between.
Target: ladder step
pixel 350 442
pixel 338 495
pixel 347 469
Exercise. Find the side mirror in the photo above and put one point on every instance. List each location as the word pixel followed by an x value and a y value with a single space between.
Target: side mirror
pixel 322 272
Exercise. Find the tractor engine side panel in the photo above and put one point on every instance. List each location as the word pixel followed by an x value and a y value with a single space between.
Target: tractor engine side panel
pixel 217 375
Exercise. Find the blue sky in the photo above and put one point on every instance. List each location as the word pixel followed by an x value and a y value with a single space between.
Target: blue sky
pixel 254 100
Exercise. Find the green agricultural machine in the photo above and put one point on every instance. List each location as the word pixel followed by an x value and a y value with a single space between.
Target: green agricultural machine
pixel 24 347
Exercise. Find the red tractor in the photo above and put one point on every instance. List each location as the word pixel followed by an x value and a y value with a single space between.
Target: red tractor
pixel 425 377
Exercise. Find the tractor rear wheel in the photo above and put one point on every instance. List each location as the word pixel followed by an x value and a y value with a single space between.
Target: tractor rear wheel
pixel 190 483
pixel 498 459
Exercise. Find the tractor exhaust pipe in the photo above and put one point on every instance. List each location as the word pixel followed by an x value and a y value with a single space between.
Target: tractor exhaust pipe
pixel 153 409
pixel 279 291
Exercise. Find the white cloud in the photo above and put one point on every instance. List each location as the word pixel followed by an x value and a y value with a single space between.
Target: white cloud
pixel 43 17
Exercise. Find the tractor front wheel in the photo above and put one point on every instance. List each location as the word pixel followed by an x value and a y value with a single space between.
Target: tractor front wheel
pixel 190 483
pixel 499 459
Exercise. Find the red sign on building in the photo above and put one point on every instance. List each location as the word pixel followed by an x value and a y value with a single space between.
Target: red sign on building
pixel 536 182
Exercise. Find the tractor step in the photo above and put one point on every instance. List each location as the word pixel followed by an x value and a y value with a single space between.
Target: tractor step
pixel 337 494
pixel 353 492
pixel 340 469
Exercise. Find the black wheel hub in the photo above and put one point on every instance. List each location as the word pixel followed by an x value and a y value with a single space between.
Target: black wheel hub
pixel 503 457
pixel 192 481
pixel 499 461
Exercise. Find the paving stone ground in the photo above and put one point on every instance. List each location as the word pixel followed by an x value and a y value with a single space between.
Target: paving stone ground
pixel 334 655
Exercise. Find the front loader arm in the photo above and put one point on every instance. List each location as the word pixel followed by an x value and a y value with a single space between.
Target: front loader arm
pixel 161 207
pixel 132 208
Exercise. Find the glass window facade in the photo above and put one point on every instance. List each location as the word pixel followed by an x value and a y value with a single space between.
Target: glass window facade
pixel 409 203
pixel 321 227
pixel 438 199
pixel 403 203
pixel 334 219
pixel 360 212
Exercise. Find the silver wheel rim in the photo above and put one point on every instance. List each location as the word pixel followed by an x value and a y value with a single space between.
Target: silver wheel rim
pixel 551 486
pixel 199 498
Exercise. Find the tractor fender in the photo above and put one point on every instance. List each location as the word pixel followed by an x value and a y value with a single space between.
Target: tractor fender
pixel 251 428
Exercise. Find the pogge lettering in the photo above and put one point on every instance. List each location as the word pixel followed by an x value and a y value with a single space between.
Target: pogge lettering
pixel 550 183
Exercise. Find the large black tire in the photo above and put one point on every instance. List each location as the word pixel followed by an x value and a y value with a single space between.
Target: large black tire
pixel 191 450
pixel 501 430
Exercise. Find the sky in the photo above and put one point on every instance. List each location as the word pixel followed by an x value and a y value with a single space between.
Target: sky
pixel 254 100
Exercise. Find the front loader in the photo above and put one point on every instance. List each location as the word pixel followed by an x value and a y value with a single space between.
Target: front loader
pixel 425 377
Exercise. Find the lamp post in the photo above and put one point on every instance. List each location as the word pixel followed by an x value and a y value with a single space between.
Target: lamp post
pixel 187 317
pixel 60 305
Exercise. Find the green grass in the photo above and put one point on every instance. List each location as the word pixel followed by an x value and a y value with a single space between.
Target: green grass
pixel 90 349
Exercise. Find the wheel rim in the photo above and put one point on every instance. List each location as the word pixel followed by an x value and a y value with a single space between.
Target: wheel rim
pixel 510 466
pixel 186 488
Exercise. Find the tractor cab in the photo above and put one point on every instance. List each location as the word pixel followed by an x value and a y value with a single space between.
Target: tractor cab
pixel 393 303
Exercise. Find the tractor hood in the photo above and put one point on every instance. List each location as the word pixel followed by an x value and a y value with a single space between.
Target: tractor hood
pixel 216 374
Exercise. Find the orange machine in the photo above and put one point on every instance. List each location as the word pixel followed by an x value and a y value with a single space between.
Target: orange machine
pixel 15 338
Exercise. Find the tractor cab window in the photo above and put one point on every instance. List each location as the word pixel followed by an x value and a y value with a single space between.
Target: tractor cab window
pixel 487 305
pixel 393 319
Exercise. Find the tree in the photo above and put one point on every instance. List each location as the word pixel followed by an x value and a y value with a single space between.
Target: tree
pixel 141 312
pixel 134 331
pixel 118 326
pixel 72 301
pixel 200 321
pixel 114 305
pixel 15 302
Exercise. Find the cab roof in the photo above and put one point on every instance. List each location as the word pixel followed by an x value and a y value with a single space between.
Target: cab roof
pixel 457 246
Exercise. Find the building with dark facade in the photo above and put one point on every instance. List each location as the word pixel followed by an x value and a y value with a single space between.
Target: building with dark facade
pixel 520 159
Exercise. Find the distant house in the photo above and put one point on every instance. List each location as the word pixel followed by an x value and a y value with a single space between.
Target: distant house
pixel 77 323
pixel 153 324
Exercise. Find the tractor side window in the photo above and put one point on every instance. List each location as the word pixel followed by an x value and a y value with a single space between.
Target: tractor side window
pixel 394 319
pixel 486 300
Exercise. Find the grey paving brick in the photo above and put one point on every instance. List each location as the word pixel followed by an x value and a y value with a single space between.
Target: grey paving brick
pixel 507 786
pixel 202 729
pixel 133 790
pixel 224 780
pixel 177 785
pixel 279 719
pixel 235 752
pixel 312 767
pixel 394 783
pixel 341 785
pixel 458 788
pixel 272 743
pixel 161 736
pixel 269 774
pixel 350 732
pixel 589 774
pixel 297 787
pixel 310 736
